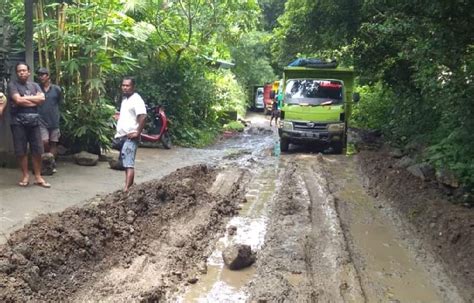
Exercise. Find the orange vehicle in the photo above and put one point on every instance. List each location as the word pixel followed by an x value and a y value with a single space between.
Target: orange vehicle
pixel 267 98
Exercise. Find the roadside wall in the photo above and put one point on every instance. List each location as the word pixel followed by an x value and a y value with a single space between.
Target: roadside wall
pixel 7 158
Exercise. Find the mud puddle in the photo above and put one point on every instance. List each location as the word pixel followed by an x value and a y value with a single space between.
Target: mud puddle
pixel 387 265
pixel 220 284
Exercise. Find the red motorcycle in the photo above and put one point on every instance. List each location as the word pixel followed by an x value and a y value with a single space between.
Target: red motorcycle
pixel 158 130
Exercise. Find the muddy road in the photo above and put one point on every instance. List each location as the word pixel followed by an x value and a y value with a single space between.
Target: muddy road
pixel 320 235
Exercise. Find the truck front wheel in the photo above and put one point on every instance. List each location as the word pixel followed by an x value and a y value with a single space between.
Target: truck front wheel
pixel 338 147
pixel 284 145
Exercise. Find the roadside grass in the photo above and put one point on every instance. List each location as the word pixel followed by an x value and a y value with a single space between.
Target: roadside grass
pixel 235 126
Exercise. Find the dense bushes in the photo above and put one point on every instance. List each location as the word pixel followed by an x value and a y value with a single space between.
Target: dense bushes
pixel 195 97
pixel 87 126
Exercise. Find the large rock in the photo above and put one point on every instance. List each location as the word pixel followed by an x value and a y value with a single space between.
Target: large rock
pixel 424 171
pixel 447 177
pixel 116 164
pixel 404 162
pixel 238 256
pixel 86 159
pixel 109 155
pixel 396 153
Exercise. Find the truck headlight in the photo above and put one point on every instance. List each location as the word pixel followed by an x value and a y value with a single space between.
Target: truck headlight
pixel 286 125
pixel 336 127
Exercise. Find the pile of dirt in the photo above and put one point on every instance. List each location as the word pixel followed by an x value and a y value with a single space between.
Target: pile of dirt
pixel 446 227
pixel 56 255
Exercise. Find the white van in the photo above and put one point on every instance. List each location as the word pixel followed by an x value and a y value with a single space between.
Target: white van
pixel 259 98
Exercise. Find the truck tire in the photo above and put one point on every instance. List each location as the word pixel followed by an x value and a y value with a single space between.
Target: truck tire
pixel 338 147
pixel 284 145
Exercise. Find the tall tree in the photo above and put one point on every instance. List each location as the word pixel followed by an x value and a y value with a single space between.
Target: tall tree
pixel 309 28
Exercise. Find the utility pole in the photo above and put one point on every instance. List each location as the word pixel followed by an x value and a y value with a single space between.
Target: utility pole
pixel 29 35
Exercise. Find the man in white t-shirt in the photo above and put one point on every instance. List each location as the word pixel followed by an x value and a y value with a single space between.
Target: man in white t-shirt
pixel 130 125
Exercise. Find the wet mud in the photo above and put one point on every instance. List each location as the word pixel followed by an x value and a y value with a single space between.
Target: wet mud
pixel 122 247
pixel 304 257
pixel 325 229
pixel 388 261
pixel 444 227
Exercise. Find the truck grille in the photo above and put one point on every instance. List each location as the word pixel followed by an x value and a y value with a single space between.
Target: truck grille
pixel 310 126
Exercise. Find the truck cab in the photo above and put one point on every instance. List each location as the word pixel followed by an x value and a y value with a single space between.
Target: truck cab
pixel 316 105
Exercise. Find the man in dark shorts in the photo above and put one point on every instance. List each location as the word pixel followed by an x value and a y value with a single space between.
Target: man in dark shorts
pixel 25 96
pixel 49 112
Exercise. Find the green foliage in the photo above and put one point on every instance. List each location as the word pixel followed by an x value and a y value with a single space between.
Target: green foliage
pixel 187 94
pixel 422 51
pixel 252 59
pixel 87 126
pixel 195 137
pixel 234 126
pixel 271 10
pixel 194 96
pixel 373 108
pixel 164 42
pixel 456 154
pixel 195 27
pixel 230 96
pixel 311 28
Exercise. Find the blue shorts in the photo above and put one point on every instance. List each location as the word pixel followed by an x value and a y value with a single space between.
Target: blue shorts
pixel 128 152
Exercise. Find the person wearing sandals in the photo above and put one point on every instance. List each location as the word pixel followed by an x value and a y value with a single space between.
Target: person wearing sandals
pixel 25 97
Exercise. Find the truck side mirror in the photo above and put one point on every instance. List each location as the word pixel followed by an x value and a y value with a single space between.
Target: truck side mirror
pixel 356 97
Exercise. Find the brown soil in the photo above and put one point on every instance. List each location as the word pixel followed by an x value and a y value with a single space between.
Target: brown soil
pixel 145 245
pixel 445 227
pixel 304 258
pixel 55 255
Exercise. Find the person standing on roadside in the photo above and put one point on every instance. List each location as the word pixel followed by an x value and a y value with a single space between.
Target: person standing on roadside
pixel 49 112
pixel 25 97
pixel 275 112
pixel 129 127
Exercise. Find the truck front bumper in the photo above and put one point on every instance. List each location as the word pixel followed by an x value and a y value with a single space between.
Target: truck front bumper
pixel 324 137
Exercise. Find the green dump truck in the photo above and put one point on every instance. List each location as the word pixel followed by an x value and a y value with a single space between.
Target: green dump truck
pixel 316 105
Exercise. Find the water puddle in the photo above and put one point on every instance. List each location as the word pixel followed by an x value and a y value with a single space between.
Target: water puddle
pixel 388 269
pixel 220 284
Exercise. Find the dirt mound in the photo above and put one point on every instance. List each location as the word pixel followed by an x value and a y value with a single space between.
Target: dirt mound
pixel 58 254
pixel 448 228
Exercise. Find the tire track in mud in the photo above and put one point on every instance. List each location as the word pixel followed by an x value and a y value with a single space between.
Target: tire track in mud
pixel 135 247
pixel 304 258
pixel 332 267
pixel 328 241
pixel 389 261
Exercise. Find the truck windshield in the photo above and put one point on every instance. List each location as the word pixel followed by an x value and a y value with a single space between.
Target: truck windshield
pixel 313 92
